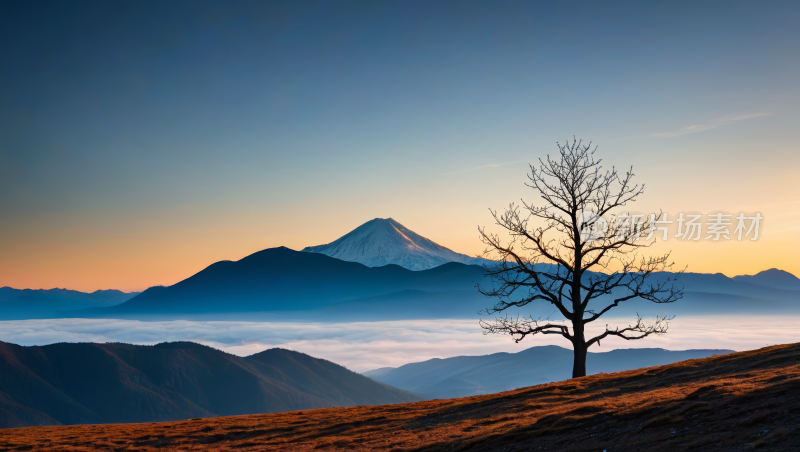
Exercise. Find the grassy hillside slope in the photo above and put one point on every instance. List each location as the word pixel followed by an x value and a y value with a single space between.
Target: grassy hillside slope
pixel 99 383
pixel 740 401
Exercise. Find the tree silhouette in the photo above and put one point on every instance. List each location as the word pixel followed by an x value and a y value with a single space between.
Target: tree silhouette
pixel 573 255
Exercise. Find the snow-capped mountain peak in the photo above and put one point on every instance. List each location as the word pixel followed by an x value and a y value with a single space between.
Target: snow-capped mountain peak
pixel 384 241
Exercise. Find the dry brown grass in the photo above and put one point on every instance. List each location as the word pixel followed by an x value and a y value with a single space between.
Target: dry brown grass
pixel 742 401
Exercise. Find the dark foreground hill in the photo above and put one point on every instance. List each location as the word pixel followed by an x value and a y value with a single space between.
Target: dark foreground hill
pixel 736 402
pixel 462 376
pixel 99 383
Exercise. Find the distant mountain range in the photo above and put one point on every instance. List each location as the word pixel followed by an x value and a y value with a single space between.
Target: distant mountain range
pixel 282 280
pixel 462 376
pixel 109 383
pixel 98 296
pixel 46 303
pixel 384 241
pixel 379 271
pixel 282 284
pixel 777 279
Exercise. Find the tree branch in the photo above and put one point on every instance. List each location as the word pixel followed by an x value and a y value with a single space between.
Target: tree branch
pixel 518 328
pixel 633 332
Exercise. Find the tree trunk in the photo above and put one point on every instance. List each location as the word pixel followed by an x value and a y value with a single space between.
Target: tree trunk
pixel 579 348
pixel 579 363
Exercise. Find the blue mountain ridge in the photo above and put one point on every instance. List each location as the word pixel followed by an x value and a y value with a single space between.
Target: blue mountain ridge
pixel 16 304
pixel 462 376
pixel 283 284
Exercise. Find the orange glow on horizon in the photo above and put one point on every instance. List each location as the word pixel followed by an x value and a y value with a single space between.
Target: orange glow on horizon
pixel 92 263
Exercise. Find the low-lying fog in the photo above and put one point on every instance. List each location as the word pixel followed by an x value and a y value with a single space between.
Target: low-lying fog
pixel 362 346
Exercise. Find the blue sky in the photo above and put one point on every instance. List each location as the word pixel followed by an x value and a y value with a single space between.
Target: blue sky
pixel 141 141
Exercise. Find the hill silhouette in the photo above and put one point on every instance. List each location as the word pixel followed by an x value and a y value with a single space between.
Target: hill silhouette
pixel 280 279
pixel 283 284
pixel 741 401
pixel 16 304
pixel 98 296
pixel 777 279
pixel 70 383
pixel 461 376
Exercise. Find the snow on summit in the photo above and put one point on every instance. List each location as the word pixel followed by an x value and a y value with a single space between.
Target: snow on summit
pixel 384 241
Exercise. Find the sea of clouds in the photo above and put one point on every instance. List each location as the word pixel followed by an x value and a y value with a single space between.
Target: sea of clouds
pixel 362 346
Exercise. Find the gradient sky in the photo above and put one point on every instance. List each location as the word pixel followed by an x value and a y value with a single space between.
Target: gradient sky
pixel 141 141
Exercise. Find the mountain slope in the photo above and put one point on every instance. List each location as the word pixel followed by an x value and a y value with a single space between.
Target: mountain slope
pixel 98 296
pixel 322 378
pixel 384 241
pixel 99 383
pixel 736 402
pixel 280 279
pixel 469 375
pixel 777 279
pixel 283 284
pixel 16 304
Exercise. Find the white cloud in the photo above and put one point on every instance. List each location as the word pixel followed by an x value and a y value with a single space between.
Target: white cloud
pixel 711 125
pixel 362 346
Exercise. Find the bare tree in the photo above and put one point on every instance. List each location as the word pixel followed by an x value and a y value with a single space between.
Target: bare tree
pixel 573 255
